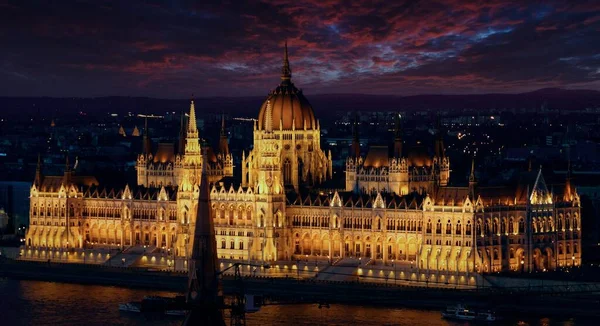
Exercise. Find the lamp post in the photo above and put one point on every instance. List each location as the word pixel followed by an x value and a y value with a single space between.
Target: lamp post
pixel 522 266
pixel 394 266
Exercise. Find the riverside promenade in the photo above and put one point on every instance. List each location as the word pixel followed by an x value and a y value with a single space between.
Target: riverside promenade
pixel 526 300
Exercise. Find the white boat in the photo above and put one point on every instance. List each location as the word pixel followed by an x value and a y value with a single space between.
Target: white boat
pixel 175 312
pixel 462 312
pixel 129 307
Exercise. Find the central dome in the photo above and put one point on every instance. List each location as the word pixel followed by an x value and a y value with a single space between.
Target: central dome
pixel 288 104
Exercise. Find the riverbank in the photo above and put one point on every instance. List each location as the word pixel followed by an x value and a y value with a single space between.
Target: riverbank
pixel 293 290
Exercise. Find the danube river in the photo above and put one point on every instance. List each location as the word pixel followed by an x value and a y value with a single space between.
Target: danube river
pixel 49 303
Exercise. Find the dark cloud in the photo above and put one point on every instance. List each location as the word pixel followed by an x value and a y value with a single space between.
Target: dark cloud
pixel 210 48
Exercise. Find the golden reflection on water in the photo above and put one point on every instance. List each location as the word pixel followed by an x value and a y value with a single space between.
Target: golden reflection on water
pixel 48 303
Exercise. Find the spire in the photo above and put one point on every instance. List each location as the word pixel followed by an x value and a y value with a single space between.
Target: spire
pixel 472 175
pixel 439 142
pixel 397 137
pixel 568 196
pixel 223 144
pixel 355 139
pixel 67 176
pixel 192 127
pixel 147 148
pixel 204 286
pixel 269 117
pixel 38 172
pixel 286 71
pixel 67 165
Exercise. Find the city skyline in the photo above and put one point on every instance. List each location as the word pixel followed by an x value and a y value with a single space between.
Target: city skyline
pixel 172 50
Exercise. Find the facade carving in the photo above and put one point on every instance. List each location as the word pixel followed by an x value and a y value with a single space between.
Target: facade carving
pixel 396 208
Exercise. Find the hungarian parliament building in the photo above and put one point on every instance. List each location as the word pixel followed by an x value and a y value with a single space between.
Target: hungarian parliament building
pixel 396 205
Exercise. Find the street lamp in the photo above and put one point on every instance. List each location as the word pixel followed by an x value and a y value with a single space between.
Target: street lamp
pixel 522 265
pixel 394 266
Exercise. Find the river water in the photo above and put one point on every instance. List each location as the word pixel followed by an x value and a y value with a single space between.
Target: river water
pixel 49 303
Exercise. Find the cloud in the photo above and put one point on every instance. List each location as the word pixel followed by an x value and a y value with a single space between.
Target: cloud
pixel 176 48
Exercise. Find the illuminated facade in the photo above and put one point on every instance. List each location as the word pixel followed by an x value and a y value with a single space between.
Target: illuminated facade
pixel 401 173
pixel 394 209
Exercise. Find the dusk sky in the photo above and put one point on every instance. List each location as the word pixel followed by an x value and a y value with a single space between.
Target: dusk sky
pixel 173 49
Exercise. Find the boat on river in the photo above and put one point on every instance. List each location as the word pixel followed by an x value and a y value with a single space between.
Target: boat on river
pixel 155 304
pixel 463 312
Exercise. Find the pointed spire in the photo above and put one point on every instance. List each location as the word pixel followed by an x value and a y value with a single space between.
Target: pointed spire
pixel 223 144
pixel 269 117
pixel 355 139
pixel 568 196
pixel 67 165
pixel 397 137
pixel 67 175
pixel 472 175
pixel 147 146
pixel 192 127
pixel 439 142
pixel 38 172
pixel 204 286
pixel 286 71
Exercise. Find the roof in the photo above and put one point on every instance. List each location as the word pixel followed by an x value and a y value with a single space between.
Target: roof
pixel 165 153
pixel 418 156
pixel 446 195
pixel 53 183
pixel 377 157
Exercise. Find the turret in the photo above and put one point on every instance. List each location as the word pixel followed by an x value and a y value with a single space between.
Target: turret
pixel 147 146
pixel 397 138
pixel 472 181
pixel 568 195
pixel 223 145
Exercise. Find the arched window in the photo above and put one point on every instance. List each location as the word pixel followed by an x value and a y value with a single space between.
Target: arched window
pixel 511 225
pixel 223 244
pixel 521 225
pixel 495 226
pixel 568 222
pixel 478 227
pixel 429 226
pixel 438 227
pixel 503 226
pixel 468 228
pixel 559 223
pixel 458 228
pixel 575 223
pixel 449 227
pixel 287 171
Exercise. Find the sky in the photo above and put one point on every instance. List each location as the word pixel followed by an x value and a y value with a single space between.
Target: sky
pixel 176 49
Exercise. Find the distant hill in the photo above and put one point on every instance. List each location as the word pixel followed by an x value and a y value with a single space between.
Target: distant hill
pixel 323 103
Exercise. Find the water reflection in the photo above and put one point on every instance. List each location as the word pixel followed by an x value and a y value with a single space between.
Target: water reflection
pixel 48 303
